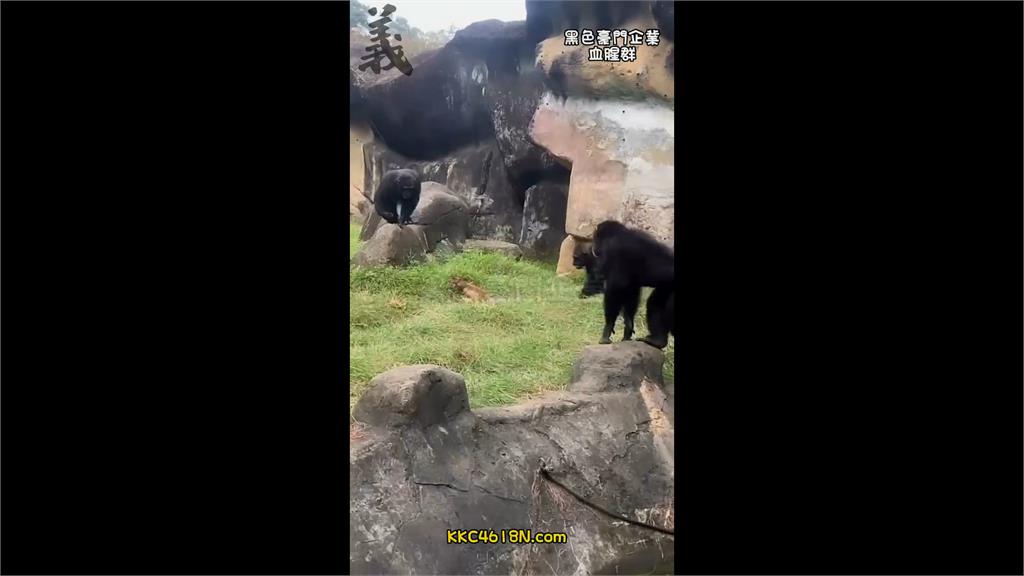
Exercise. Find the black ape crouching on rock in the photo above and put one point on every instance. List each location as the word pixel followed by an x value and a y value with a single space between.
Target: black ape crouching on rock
pixel 629 260
pixel 397 196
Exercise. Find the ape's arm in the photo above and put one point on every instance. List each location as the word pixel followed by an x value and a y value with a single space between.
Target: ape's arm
pixel 604 257
pixel 406 209
pixel 387 213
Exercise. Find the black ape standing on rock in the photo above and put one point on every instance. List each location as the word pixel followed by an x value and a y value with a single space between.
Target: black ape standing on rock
pixel 397 196
pixel 629 260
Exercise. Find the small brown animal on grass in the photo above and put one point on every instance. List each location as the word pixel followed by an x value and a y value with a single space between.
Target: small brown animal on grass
pixel 469 290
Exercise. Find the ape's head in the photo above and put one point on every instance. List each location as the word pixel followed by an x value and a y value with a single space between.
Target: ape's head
pixel 408 184
pixel 605 231
pixel 583 257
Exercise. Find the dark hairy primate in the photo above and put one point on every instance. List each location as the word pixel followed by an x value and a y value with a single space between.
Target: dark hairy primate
pixel 629 260
pixel 397 196
pixel 595 282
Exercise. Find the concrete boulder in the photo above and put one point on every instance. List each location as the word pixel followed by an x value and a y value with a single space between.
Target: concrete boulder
pixel 475 173
pixel 392 246
pixel 440 215
pixel 422 463
pixel 494 246
pixel 565 253
pixel 622 365
pixel 422 394
pixel 544 219
pixel 623 164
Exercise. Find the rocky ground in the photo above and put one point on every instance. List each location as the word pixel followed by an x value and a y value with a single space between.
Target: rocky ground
pixel 422 462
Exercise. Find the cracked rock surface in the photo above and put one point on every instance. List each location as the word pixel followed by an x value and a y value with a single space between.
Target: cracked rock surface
pixel 424 463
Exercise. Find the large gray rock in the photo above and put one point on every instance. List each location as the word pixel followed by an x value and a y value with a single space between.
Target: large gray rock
pixel 606 367
pixel 495 246
pixel 444 215
pixel 444 104
pixel 429 465
pixel 392 246
pixel 422 394
pixel 474 173
pixel 439 215
pixel 543 226
pixel 512 101
pixel 623 161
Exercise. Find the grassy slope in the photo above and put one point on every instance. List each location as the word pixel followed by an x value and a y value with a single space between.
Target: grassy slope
pixel 523 343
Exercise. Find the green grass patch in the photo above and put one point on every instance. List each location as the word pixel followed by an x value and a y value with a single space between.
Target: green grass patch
pixel 521 343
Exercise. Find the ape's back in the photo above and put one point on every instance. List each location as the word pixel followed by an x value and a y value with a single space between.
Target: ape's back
pixel 628 253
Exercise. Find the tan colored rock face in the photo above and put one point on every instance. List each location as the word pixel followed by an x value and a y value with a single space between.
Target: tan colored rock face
pixel 565 253
pixel 622 161
pixel 357 199
pixel 647 76
pixel 357 136
pixel 614 123
pixel 358 205
pixel 595 193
